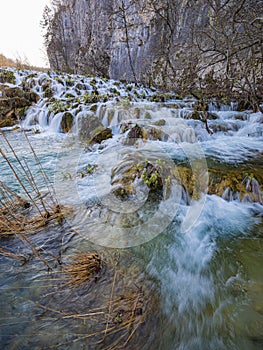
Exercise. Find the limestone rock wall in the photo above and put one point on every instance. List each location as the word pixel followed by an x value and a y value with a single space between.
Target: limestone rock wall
pixel 123 39
pixel 166 43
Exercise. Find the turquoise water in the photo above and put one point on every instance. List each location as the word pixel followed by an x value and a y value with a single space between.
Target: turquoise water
pixel 203 287
pixel 194 267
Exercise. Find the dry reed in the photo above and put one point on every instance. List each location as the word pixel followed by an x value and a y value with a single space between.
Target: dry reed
pixel 25 214
pixel 83 268
pixel 115 322
pixel 29 208
pixel 35 209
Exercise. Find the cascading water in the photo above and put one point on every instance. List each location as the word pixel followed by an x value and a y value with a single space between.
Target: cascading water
pixel 202 295
pixel 186 204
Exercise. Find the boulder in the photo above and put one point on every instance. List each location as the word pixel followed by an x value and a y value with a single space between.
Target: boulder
pixel 86 126
pixel 11 92
pixel 7 76
pixel 13 102
pixel 133 134
pixel 67 122
pixel 160 122
pixel 100 134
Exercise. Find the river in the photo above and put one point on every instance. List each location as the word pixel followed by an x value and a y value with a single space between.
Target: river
pixel 194 248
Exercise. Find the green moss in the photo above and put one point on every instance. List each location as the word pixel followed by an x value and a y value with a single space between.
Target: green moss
pixel 125 103
pixel 59 80
pixel 48 92
pixel 68 95
pixel 7 77
pixel 160 122
pixel 58 106
pixel 93 82
pixel 94 108
pixel 115 91
pixel 94 98
pixel 157 98
pixel 30 76
pixel 147 115
pixel 69 81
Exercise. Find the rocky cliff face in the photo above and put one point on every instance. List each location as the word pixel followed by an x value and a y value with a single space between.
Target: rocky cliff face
pixel 126 39
pixel 168 43
pixel 80 39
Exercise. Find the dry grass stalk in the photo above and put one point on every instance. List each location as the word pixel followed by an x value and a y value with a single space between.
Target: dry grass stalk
pixel 83 268
pixel 116 321
pixel 16 220
pixel 123 317
pixel 22 216
pixel 11 255
pixel 35 210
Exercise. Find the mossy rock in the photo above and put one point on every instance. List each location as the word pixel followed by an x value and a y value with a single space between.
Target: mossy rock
pixel 21 112
pixel 12 104
pixel 151 174
pixel 48 92
pixel 135 133
pixel 87 125
pixel 219 128
pixel 11 92
pixel 235 181
pixel 66 122
pixel 100 134
pixel 31 96
pixel 154 134
pixel 160 122
pixel 152 177
pixel 94 108
pixel 148 115
pixel 7 77
pixel 195 115
pixel 211 116
pixel 174 106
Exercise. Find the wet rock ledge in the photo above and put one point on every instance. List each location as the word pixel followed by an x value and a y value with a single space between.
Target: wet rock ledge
pixel 13 101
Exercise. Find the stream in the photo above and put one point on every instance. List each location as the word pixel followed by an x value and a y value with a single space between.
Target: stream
pixel 195 249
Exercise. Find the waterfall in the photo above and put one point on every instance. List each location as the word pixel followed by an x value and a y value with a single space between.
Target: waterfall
pixel 55 124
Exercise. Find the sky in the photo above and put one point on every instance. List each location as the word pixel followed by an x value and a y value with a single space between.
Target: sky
pixel 20 31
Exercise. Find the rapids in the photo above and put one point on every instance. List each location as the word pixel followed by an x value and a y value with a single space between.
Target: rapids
pixel 197 254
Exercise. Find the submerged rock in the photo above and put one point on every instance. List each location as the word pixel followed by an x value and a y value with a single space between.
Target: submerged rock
pixel 160 122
